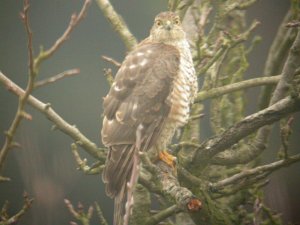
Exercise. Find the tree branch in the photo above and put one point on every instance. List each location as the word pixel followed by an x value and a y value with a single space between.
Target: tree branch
pixel 111 60
pixel 97 168
pixel 219 91
pixel 5 220
pixel 20 114
pixel 75 19
pixel 117 23
pixel 59 122
pixel 278 51
pixel 289 71
pixel 257 171
pixel 182 196
pixel 163 214
pixel 235 133
pixel 57 77
pixel 79 214
pixel 100 215
pixel 258 144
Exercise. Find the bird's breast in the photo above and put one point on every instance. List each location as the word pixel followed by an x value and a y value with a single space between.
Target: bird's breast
pixel 184 89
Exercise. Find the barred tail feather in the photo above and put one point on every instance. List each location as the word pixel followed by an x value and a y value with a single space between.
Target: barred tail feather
pixel 119 206
pixel 117 173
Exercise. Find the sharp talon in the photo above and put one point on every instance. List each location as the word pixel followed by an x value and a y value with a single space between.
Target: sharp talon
pixel 168 158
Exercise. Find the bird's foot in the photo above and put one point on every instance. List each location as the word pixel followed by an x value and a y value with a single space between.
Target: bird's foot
pixel 167 158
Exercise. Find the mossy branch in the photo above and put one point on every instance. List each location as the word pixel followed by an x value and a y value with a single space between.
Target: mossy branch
pixel 79 214
pixel 242 85
pixel 254 172
pixel 242 129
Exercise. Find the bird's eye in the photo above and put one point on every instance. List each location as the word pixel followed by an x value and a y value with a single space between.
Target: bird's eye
pixel 177 21
pixel 158 23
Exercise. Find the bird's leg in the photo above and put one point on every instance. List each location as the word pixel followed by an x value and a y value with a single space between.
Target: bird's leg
pixel 167 158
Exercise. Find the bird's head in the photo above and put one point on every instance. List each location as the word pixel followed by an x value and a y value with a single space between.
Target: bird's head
pixel 167 28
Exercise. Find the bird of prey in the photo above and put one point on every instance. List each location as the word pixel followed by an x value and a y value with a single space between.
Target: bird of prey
pixel 149 99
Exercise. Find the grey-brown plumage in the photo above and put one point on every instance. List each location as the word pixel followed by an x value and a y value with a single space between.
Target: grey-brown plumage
pixel 151 93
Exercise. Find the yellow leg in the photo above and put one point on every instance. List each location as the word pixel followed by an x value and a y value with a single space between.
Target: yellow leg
pixel 167 158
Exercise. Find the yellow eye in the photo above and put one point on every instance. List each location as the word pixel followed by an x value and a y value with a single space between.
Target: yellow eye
pixel 158 23
pixel 177 21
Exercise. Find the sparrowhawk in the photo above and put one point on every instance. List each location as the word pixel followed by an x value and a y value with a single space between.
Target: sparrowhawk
pixel 149 99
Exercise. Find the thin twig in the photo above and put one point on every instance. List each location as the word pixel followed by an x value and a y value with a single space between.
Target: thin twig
pixel 82 163
pixel 79 214
pixel 57 77
pixel 117 23
pixel 22 99
pixel 111 60
pixel 4 179
pixel 75 19
pixel 25 19
pixel 10 220
pixel 109 76
pixel 257 171
pixel 293 24
pixel 100 214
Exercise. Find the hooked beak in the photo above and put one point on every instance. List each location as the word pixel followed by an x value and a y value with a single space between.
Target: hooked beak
pixel 168 25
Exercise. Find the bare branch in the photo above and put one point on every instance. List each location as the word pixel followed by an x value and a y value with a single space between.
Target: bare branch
pixel 117 23
pixel 25 19
pixel 251 123
pixel 289 71
pixel 3 179
pixel 163 214
pixel 257 171
pixel 109 76
pixel 219 91
pixel 258 144
pixel 6 220
pixel 59 122
pixel 79 214
pixel 100 214
pixel 57 77
pixel 173 4
pixel 20 114
pixel 75 19
pixel 245 4
pixel 278 51
pixel 293 24
pixel 111 60
pixel 82 163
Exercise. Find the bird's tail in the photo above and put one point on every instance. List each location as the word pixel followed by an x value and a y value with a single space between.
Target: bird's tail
pixel 116 175
pixel 119 206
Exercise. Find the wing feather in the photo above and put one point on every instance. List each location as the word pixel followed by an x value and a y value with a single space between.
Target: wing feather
pixel 138 96
pixel 139 93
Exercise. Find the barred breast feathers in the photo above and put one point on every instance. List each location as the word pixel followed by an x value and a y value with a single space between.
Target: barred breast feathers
pixel 185 86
